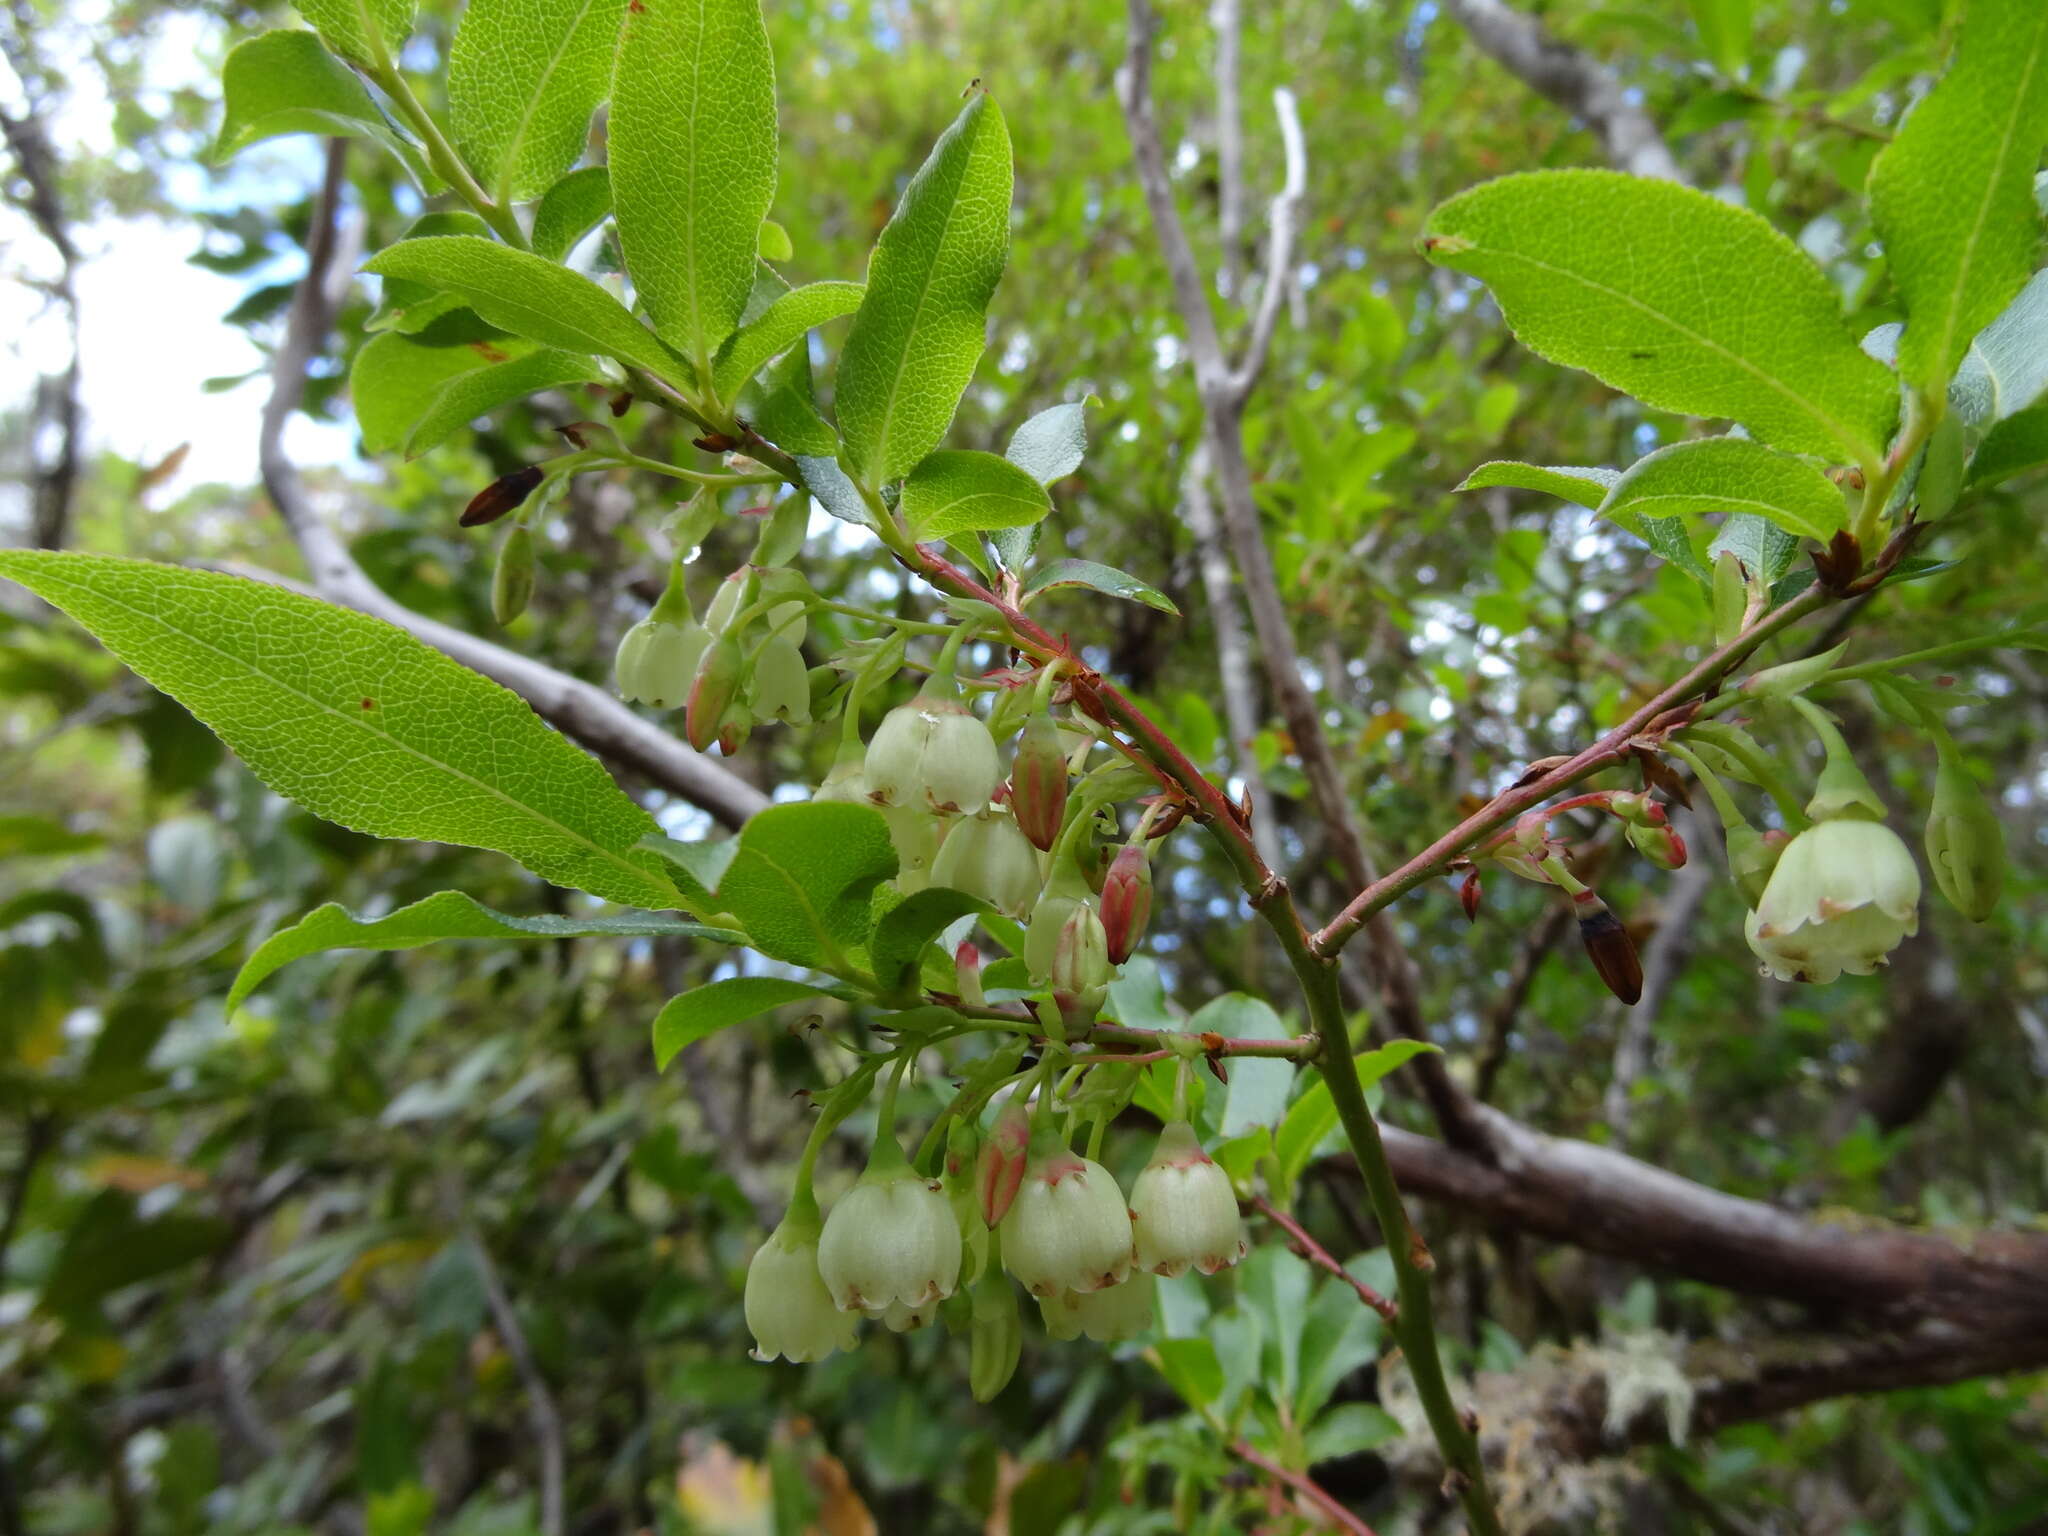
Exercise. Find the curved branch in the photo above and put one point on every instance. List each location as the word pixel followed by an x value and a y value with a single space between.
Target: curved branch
pixel 1583 86
pixel 577 708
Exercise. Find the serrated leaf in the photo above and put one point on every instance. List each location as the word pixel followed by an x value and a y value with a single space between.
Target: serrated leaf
pixel 692 147
pixel 694 1015
pixel 279 83
pixel 779 327
pixel 365 32
pixel 2006 368
pixel 906 928
pixel 1671 538
pixel 2014 446
pixel 801 879
pixel 357 721
pixel 919 330
pixel 1106 579
pixel 444 915
pixel 524 77
pixel 526 295
pixel 959 490
pixel 1730 474
pixel 1051 445
pixel 1684 301
pixel 1583 486
pixel 572 208
pixel 1952 194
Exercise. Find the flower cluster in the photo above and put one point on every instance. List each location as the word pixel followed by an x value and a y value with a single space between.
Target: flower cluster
pixel 1024 1210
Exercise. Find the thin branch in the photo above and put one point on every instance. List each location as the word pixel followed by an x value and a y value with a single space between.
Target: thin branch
pixel 1284 219
pixel 541 1412
pixel 1304 1485
pixel 1318 1255
pixel 1583 86
pixel 1228 20
pixel 577 708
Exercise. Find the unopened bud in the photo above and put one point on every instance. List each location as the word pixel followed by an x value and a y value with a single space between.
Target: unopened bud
pixel 513 576
pixel 1038 782
pixel 1080 957
pixel 505 494
pixel 1468 896
pixel 1126 902
pixel 711 694
pixel 734 729
pixel 999 1166
pixel 1661 845
pixel 996 1336
pixel 967 974
pixel 1731 596
pixel 1609 947
pixel 1965 844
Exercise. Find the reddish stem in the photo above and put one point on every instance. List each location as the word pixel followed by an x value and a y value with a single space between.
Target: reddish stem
pixel 1304 1485
pixel 1317 1254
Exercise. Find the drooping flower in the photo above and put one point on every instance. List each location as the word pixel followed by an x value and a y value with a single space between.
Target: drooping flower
pixel 657 661
pixel 1108 1316
pixel 891 1246
pixel 987 856
pixel 1183 1210
pixel 1843 896
pixel 789 1310
pixel 933 754
pixel 1068 1228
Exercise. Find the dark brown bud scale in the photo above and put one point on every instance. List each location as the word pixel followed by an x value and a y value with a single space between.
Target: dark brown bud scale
pixel 1612 952
pixel 504 494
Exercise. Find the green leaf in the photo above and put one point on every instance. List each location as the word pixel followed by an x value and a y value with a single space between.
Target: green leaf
pixel 1730 474
pixel 1106 579
pixel 1585 487
pixel 416 397
pixel 526 295
pixel 774 244
pixel 357 721
pixel 27 837
pixel 696 868
pixel 828 484
pixel 280 83
pixel 1671 537
pixel 1051 445
pixel 780 404
pixel 1348 1429
pixel 365 32
pixel 1309 1123
pixel 694 1015
pixel 2014 446
pixel 919 330
pixel 906 928
pixel 1758 543
pixel 1191 1368
pixel 692 148
pixel 801 880
pixel 1259 1085
pixel 1952 194
pixel 959 490
pixel 1375 1065
pixel 573 207
pixel 2006 368
pixel 463 399
pixel 524 77
pixel 781 326
pixel 445 915
pixel 410 308
pixel 1684 301
pixel 107 1247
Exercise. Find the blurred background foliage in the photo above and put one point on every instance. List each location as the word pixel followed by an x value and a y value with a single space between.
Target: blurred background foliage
pixel 255 1263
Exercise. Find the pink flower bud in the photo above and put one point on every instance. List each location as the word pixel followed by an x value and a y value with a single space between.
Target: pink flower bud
pixel 967 974
pixel 999 1169
pixel 1126 901
pixel 711 694
pixel 1468 896
pixel 1661 845
pixel 1038 782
